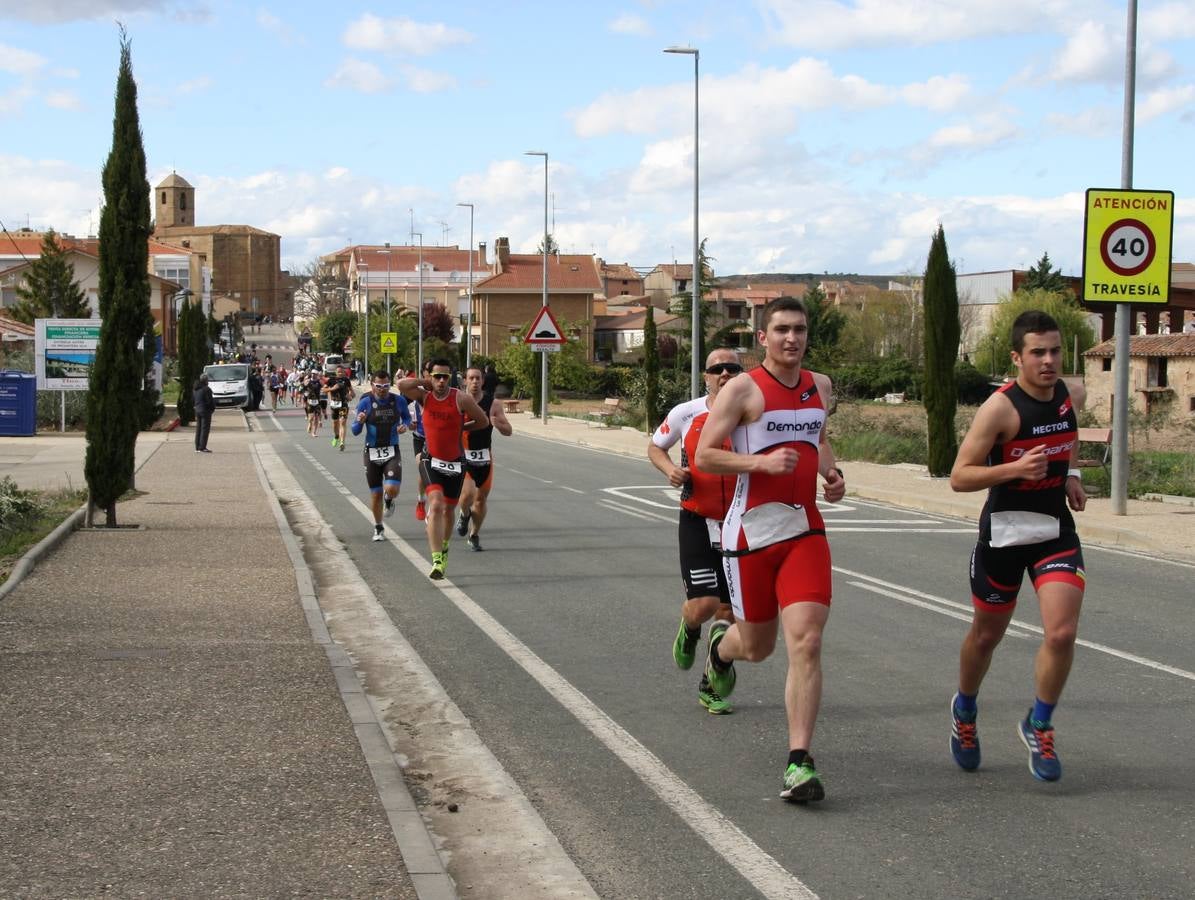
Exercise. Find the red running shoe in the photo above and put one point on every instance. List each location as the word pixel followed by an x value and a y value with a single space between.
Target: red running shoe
pixel 420 511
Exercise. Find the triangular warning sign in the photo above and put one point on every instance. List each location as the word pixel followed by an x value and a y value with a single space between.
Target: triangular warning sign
pixel 544 329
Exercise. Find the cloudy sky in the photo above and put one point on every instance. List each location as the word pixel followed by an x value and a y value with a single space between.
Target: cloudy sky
pixel 835 134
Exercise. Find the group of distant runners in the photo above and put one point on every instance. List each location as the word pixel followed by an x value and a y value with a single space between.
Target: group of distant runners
pixel 754 556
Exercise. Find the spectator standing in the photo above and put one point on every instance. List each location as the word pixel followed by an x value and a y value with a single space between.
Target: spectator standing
pixel 205 405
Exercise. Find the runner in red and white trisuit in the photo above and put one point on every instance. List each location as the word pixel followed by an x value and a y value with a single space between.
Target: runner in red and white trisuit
pixel 704 498
pixel 778 561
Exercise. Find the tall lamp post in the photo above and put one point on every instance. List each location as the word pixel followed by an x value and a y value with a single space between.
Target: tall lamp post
pixel 362 273
pixel 469 311
pixel 419 336
pixel 543 369
pixel 389 368
pixel 694 367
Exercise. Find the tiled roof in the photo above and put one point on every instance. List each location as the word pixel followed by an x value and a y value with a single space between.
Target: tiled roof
pixel 12 326
pixel 182 231
pixel 174 180
pixel 406 259
pixel 621 271
pixel 683 271
pixel 523 273
pixel 1150 345
pixel 160 248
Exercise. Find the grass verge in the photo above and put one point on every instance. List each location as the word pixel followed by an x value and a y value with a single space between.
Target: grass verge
pixel 1150 472
pixel 26 521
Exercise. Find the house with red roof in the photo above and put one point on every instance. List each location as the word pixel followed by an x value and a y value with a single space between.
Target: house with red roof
pixel 511 295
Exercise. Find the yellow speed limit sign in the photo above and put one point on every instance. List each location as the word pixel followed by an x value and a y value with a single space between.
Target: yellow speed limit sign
pixel 1126 245
pixel 389 342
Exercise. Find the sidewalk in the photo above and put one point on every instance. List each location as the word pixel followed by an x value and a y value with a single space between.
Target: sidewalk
pixel 1164 529
pixel 170 726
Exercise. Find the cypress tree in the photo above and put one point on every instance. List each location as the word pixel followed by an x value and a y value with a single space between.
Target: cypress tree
pixel 50 290
pixel 941 352
pixel 114 394
pixel 186 363
pixel 651 369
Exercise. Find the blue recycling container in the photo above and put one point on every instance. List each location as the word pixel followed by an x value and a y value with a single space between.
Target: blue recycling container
pixel 18 404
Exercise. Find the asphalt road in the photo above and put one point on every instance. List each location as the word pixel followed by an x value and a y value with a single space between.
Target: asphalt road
pixel 652 797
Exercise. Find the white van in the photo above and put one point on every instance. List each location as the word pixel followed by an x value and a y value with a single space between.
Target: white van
pixel 332 362
pixel 229 383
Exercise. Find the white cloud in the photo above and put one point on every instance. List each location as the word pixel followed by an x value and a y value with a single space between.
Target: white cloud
pixel 195 85
pixel 53 11
pixel 65 73
pixel 1095 122
pixel 830 24
pixel 426 81
pixel 1091 53
pixel 941 93
pixel 1167 22
pixel 402 35
pixel 1165 100
pixel 280 29
pixel 16 61
pixel 358 75
pixel 336 172
pixel 629 23
pixel 63 100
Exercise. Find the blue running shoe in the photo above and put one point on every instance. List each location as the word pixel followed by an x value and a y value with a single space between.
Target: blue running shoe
pixel 964 737
pixel 1038 737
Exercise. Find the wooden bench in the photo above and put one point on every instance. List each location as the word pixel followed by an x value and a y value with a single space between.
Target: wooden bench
pixel 610 406
pixel 512 406
pixel 1094 436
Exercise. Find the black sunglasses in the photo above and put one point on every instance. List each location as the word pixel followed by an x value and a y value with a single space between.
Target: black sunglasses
pixel 719 368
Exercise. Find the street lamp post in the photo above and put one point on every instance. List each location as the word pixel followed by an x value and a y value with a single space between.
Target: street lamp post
pixel 419 315
pixel 543 369
pixel 388 366
pixel 362 273
pixel 694 366
pixel 469 311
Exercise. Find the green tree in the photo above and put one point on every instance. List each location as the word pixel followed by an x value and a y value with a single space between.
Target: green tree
pixel 114 392
pixel 150 401
pixel 192 356
pixel 826 324
pixel 50 290
pixel 651 369
pixel 941 351
pixel 993 356
pixel 682 303
pixel 1043 277
pixel 334 329
pixel 438 323
pixel 520 365
pixel 553 247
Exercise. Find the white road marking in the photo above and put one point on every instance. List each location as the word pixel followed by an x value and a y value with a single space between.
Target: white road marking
pixel 565 487
pixel 762 870
pixel 626 511
pixel 532 477
pixel 937 604
pixel 838 529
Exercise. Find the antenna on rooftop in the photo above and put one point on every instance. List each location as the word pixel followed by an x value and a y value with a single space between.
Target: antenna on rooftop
pixel 444 227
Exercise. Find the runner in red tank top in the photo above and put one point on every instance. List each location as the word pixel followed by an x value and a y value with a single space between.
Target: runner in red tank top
pixel 447 414
pixel 704 499
pixel 777 558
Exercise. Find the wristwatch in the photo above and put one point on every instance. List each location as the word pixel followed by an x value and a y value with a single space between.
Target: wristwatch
pixel 841 474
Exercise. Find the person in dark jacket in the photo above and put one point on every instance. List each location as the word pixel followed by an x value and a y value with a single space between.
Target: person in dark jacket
pixel 205 405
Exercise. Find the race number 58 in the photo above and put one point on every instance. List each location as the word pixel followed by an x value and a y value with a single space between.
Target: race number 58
pixel 1128 247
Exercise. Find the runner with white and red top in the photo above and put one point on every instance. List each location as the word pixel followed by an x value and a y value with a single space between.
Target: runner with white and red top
pixel 703 501
pixel 774 541
pixel 1019 448
pixel 447 414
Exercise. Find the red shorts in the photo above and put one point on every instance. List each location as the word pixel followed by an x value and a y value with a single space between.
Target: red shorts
pixel 764 582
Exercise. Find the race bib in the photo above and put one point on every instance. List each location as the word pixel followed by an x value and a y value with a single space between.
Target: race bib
pixel 479 456
pixel 448 467
pixel 380 454
pixel 336 404
pixel 1016 528
pixel 771 523
pixel 311 401
pixel 714 527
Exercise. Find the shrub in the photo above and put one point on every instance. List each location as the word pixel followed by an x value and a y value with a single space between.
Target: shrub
pixel 17 507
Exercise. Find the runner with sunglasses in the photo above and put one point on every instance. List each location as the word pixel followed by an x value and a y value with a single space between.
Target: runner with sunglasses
pixel 447 414
pixel 703 499
pixel 384 416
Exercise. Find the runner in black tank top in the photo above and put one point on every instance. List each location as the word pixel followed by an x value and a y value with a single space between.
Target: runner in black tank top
pixel 1019 447
pixel 479 462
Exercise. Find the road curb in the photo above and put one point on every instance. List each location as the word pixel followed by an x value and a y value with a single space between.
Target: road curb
pixel 43 547
pixel 415 843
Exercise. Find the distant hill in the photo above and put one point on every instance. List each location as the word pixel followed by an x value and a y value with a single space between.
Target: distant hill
pixel 738 281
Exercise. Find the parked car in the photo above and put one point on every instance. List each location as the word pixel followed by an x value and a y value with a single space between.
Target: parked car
pixel 229 383
pixel 332 362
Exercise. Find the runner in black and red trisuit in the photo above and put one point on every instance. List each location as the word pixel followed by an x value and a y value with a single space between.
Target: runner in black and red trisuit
pixel 339 393
pixel 479 461
pixel 1019 448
